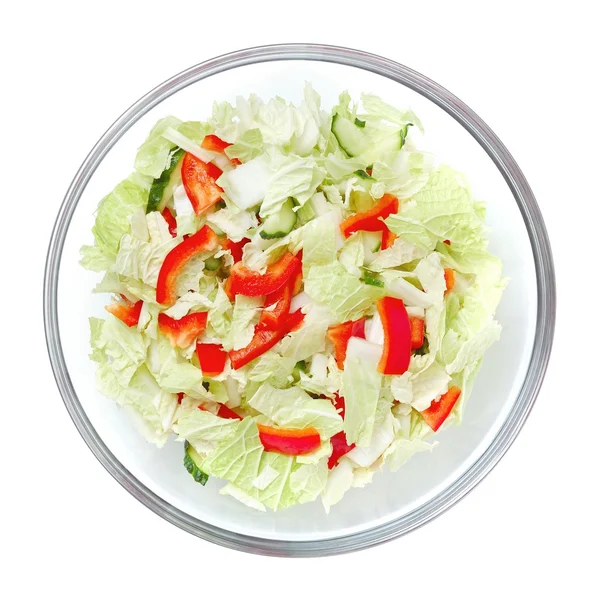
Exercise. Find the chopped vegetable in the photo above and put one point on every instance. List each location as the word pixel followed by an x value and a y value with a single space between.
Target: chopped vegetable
pixel 204 240
pixel 236 248
pixel 417 332
pixel 182 332
pixel 247 282
pixel 339 335
pixel 126 311
pixel 439 410
pixel 199 180
pixel 293 442
pixel 397 341
pixel 450 280
pixel 212 358
pixel 371 220
pixel 170 219
pixel 279 308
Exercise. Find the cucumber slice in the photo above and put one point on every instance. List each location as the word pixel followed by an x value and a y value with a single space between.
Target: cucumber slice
pixel 279 225
pixel 161 190
pixel 191 460
pixel 356 139
pixel 351 138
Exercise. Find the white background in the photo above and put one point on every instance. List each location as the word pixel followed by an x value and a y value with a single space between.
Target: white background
pixel 529 69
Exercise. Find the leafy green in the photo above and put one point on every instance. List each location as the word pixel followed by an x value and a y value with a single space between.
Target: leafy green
pixel 346 296
pixel 361 383
pixel 152 155
pixel 294 408
pixel 112 222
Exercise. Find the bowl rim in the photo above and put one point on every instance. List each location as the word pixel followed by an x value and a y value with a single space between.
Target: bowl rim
pixel 545 281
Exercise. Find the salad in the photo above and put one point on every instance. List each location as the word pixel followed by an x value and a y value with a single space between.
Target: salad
pixel 301 297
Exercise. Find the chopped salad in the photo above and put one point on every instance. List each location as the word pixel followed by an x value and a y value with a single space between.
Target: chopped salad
pixel 300 296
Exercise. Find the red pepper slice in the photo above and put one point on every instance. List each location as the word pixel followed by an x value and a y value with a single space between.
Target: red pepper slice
pixel 261 342
pixel 180 396
pixel 167 215
pixel 397 336
pixel 371 220
pixel 127 312
pixel 199 180
pixel 182 332
pixel 294 321
pixel 340 448
pixel 204 240
pixel 274 318
pixel 417 332
pixel 236 248
pixel 388 238
pixel 212 359
pixel 293 442
pixel 247 282
pixel 339 335
pixel 226 413
pixel 216 144
pixel 450 280
pixel 439 410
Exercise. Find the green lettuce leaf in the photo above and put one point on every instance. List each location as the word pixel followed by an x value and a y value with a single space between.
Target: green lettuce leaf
pixel 361 383
pixel 343 293
pixel 442 210
pixel 173 372
pixel 310 338
pixel 294 408
pixel 318 242
pixel 152 155
pixel 248 146
pixel 203 430
pixel 274 368
pixel 241 459
pixel 292 176
pixel 113 221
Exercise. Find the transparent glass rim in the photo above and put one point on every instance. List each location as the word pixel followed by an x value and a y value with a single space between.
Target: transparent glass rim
pixel 546 306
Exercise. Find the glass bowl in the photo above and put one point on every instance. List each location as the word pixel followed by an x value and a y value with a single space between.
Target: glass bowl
pixel 505 390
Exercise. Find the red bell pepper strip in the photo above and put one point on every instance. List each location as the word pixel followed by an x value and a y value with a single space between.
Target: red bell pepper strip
pixel 340 404
pixel 450 280
pixel 247 282
pixel 180 396
pixel 340 448
pixel 261 342
pixel 339 335
pixel 397 336
pixel 274 318
pixel 216 144
pixel 199 180
pixel 204 240
pixel 417 332
pixel 293 442
pixel 339 443
pixel 294 321
pixel 127 312
pixel 439 410
pixel 182 332
pixel 387 238
pixel 226 413
pixel 236 248
pixel 167 215
pixel 212 358
pixel 371 220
